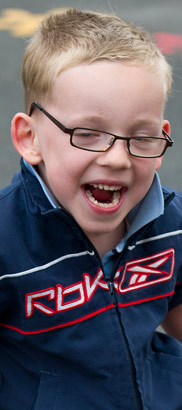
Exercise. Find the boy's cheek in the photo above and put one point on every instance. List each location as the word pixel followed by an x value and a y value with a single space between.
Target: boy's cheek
pixel 158 163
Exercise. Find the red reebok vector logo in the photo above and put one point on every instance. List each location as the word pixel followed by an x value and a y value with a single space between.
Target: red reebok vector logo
pixel 147 271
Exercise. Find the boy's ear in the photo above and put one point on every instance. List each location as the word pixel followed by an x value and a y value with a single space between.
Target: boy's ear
pixel 24 138
pixel 166 126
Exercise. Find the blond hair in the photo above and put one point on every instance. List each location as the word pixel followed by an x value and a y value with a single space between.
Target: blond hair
pixel 75 37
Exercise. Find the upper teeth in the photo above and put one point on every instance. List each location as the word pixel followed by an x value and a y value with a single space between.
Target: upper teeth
pixel 107 187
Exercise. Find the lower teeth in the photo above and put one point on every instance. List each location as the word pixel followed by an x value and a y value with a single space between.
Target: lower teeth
pixel 115 200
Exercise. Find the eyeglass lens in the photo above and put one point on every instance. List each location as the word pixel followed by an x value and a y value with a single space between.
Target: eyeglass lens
pixel 99 141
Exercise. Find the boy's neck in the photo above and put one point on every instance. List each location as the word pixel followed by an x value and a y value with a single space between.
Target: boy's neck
pixel 105 242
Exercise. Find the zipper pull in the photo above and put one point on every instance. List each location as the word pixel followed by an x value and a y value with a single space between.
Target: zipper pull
pixel 112 292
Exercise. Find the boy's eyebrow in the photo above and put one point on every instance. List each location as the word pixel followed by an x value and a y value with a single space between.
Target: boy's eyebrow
pixel 151 124
pixel 135 123
pixel 145 121
pixel 90 118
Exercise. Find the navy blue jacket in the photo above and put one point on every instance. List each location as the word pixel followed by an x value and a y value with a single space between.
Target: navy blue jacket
pixel 69 340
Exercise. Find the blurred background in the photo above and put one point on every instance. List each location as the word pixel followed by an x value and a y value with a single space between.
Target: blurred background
pixel 18 20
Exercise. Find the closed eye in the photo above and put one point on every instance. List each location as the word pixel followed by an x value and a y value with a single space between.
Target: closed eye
pixel 86 133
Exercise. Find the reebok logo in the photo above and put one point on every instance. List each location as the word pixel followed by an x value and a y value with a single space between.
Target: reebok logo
pixel 134 275
pixel 147 271
pixel 69 303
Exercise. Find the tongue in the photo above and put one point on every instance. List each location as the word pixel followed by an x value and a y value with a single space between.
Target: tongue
pixel 101 195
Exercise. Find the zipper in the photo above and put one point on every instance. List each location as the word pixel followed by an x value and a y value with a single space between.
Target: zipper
pixel 110 285
pixel 112 292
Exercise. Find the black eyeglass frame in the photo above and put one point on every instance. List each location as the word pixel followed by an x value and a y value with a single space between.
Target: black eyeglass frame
pixel 70 131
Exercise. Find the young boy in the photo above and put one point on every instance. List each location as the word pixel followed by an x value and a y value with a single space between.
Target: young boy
pixel 90 242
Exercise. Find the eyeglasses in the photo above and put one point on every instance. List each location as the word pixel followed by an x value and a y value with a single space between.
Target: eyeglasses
pixel 100 141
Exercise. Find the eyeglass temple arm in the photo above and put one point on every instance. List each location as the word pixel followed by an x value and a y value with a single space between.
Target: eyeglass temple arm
pixel 169 139
pixel 56 122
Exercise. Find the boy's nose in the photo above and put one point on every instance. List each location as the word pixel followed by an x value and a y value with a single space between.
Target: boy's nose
pixel 116 157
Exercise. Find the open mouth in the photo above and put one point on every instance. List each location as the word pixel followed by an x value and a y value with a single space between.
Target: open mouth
pixel 104 196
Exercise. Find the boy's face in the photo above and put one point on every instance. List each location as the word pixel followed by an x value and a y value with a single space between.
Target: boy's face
pixel 124 100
